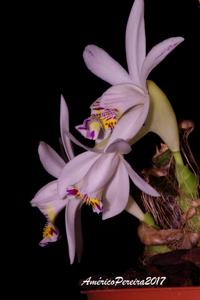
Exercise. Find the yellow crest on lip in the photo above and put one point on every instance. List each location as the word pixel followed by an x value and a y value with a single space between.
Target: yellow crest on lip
pixel 108 124
pixel 48 231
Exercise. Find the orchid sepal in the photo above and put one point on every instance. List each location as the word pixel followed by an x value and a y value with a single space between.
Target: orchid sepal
pixel 64 126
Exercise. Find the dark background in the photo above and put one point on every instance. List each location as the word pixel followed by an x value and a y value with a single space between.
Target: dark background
pixel 51 41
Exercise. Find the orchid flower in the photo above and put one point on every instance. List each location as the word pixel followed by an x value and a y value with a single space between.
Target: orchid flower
pixel 101 178
pixel 50 202
pixel 47 198
pixel 129 93
pixel 133 97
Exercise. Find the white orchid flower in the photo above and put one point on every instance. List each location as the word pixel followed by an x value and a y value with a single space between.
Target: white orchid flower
pixel 129 94
pixel 47 198
pixel 101 178
pixel 50 202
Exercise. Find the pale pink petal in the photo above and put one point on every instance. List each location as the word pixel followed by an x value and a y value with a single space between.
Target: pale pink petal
pixel 100 173
pixel 50 160
pixel 64 127
pixel 117 193
pixel 119 146
pixel 104 66
pixel 122 97
pixel 45 194
pixel 52 208
pixel 157 54
pixel 130 123
pixel 48 201
pixel 135 40
pixel 78 233
pixel 70 216
pixel 75 170
pixel 139 182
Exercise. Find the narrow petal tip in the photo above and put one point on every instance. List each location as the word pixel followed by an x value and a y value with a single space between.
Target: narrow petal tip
pixel 89 51
pixel 154 193
pixel 180 38
pixel 63 102
pixel 62 98
pixel 41 147
pixel 175 41
pixel 157 54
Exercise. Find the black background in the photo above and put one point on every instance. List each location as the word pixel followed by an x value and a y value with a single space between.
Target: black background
pixel 50 40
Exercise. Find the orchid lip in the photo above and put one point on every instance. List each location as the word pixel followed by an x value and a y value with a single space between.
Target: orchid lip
pixel 94 202
pixel 103 119
pixel 50 234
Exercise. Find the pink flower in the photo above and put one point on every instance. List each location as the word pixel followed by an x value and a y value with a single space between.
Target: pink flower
pixel 128 97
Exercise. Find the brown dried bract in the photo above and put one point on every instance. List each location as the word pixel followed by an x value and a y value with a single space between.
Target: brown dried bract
pixel 195 203
pixel 151 236
pixel 192 211
pixel 173 238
